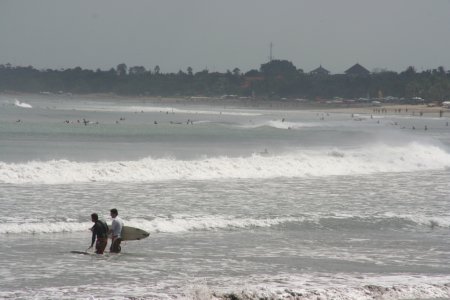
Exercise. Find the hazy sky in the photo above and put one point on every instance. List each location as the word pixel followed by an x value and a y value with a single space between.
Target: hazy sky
pixel 221 35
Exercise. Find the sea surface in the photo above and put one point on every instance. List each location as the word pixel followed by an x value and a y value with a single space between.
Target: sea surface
pixel 239 203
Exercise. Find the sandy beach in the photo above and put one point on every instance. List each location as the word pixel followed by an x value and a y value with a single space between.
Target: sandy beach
pixel 257 103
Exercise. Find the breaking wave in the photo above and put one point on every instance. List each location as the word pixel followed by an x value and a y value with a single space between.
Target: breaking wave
pixel 306 163
pixel 181 224
pixel 276 287
pixel 22 104
pixel 167 109
pixel 159 224
pixel 369 292
pixel 279 124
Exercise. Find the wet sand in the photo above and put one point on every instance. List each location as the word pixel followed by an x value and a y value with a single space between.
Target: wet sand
pixel 351 108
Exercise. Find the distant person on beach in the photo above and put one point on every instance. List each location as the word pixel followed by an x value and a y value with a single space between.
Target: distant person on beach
pixel 99 233
pixel 116 231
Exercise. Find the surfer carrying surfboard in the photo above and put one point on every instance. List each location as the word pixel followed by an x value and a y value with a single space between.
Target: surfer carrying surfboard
pixel 99 233
pixel 116 231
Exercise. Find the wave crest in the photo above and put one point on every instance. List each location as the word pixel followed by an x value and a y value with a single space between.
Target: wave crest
pixel 375 159
pixel 22 104
pixel 182 223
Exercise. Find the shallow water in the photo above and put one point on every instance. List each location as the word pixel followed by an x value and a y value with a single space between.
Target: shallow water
pixel 238 203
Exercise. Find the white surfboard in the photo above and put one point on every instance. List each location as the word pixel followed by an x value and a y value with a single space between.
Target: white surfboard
pixel 133 234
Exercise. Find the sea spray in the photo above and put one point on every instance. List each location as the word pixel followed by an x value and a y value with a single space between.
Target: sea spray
pixel 326 162
pixel 22 104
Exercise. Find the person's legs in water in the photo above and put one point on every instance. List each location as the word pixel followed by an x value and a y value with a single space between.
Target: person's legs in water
pixel 115 245
pixel 100 245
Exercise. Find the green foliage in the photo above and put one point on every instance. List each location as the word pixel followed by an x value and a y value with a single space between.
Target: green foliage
pixel 275 79
pixel 121 69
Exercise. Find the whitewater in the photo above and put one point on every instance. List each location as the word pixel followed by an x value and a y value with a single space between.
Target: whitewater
pixel 239 203
pixel 376 159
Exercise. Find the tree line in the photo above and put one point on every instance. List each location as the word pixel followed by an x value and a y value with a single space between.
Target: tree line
pixel 274 79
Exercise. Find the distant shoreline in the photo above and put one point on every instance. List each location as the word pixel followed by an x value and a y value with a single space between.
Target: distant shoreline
pixel 352 108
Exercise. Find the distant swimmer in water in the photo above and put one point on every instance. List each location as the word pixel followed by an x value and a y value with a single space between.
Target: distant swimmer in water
pixel 99 233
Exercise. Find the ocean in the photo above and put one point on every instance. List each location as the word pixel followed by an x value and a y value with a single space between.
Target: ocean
pixel 240 203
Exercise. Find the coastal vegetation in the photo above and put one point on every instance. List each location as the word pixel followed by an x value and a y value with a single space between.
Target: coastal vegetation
pixel 276 79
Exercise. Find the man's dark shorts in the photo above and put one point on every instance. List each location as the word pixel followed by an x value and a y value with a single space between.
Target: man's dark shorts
pixel 100 245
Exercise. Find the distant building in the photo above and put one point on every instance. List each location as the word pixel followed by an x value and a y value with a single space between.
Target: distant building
pixel 320 71
pixel 357 70
pixel 249 80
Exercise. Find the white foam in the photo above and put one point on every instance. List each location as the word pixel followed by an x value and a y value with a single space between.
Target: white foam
pixel 188 223
pixel 175 224
pixel 43 227
pixel 344 287
pixel 279 124
pixel 334 286
pixel 185 223
pixel 311 286
pixel 167 109
pixel 368 160
pixel 22 104
pixel 432 221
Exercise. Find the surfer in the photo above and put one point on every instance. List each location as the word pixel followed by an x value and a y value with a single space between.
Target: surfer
pixel 99 232
pixel 116 231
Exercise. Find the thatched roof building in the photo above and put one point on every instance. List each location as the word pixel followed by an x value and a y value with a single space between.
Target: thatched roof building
pixel 357 70
pixel 320 71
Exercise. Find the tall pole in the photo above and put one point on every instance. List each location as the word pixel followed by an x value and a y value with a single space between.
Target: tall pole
pixel 270 55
